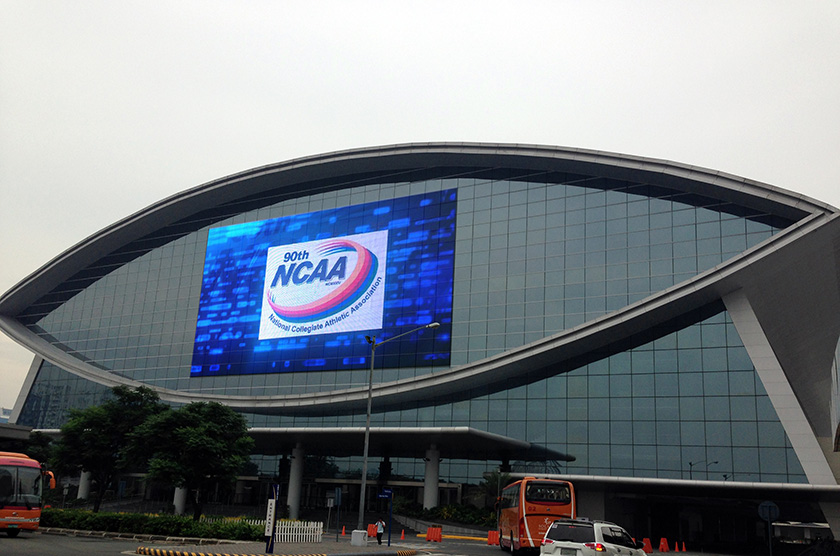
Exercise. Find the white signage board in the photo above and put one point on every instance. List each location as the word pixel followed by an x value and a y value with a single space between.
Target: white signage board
pixel 269 517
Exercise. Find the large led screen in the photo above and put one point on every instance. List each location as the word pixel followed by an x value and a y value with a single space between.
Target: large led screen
pixel 300 293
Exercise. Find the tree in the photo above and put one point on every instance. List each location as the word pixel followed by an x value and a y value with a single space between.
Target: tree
pixel 492 486
pixel 96 439
pixel 37 446
pixel 195 447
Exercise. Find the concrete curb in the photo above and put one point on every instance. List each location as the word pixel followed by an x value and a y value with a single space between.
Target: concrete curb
pixel 173 552
pixel 133 536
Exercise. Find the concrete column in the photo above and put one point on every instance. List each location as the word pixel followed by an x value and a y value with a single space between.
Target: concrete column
pixel 84 486
pixel 180 500
pixel 591 502
pixel 239 493
pixel 432 478
pixel 295 481
pixel 780 390
pixel 831 512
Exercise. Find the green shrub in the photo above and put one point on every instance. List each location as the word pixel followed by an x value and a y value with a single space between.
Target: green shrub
pixel 163 525
pixel 167 525
pixel 133 523
pixel 239 531
pixel 199 529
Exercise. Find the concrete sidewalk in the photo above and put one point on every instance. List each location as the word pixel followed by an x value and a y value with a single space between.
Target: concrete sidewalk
pixel 327 547
pixel 159 545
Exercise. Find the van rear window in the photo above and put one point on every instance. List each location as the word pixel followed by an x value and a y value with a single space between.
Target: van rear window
pixel 548 492
pixel 569 532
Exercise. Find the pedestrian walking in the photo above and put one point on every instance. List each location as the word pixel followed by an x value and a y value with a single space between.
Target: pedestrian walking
pixel 380 529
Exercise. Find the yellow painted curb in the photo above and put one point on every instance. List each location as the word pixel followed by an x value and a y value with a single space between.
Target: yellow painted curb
pixel 166 552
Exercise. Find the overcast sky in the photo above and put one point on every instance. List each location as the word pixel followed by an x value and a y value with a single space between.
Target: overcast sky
pixel 107 107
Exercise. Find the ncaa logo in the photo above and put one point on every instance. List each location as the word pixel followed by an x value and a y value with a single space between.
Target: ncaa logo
pixel 324 286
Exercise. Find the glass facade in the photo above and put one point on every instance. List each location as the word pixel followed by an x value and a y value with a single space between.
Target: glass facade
pixel 533 257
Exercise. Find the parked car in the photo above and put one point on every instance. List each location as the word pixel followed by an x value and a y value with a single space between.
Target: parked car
pixel 582 537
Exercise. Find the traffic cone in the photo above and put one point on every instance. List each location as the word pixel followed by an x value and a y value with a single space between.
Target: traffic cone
pixel 402 536
pixel 342 530
pixel 683 546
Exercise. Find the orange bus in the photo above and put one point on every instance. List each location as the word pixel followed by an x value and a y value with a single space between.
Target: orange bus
pixel 21 492
pixel 528 507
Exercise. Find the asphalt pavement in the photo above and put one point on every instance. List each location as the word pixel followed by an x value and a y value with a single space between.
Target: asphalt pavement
pixel 330 545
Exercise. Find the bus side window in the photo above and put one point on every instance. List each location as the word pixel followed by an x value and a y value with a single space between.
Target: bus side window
pixel 6 486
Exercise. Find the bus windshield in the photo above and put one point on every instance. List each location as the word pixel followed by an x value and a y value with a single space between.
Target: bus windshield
pixel 548 492
pixel 20 486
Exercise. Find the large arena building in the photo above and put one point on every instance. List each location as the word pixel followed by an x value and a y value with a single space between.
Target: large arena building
pixel 664 335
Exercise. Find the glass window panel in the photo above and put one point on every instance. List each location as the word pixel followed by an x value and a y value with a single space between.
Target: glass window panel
pixel 577 386
pixel 744 434
pixel 599 431
pixel 718 433
pixel 771 433
pixel 644 409
pixel 708 246
pixel 668 434
pixel 693 432
pixel 708 230
pixel 667 409
pixel 734 244
pixel 733 227
pixel 619 386
pixel 716 384
pixel 741 383
pixel 644 433
pixel 773 460
pixel 716 407
pixel 743 409
pixel 746 459
pixel 643 385
pixel 576 431
pixel 599 386
pixel 714 358
pixel 665 359
pixel 692 408
pixel 621 410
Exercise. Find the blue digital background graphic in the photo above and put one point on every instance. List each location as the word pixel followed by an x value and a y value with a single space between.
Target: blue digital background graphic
pixel 418 290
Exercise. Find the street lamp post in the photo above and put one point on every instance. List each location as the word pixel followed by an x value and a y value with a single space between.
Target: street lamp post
pixel 691 465
pixel 373 345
